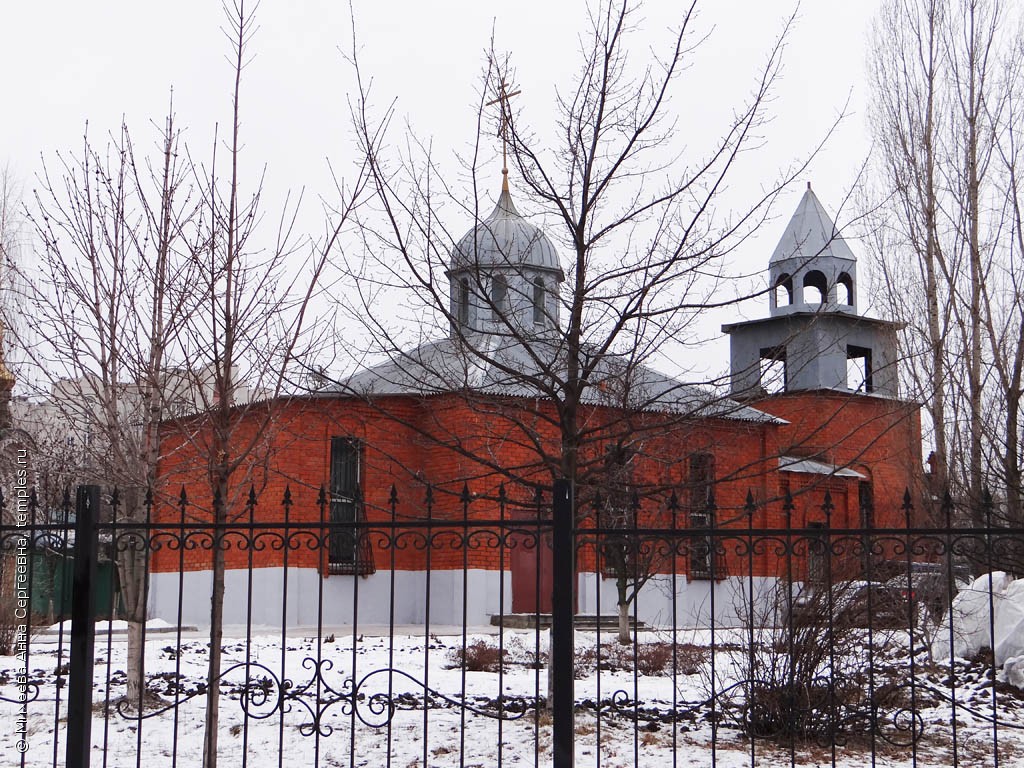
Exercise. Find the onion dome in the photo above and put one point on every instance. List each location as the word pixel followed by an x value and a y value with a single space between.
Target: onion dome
pixel 505 239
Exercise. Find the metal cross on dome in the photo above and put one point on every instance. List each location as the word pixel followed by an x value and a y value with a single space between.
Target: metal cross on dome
pixel 503 99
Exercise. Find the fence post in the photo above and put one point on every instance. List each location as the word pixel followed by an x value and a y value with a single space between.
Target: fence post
pixel 562 607
pixel 83 628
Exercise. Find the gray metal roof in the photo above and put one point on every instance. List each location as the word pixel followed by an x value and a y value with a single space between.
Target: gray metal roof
pixel 844 319
pixel 812 467
pixel 811 234
pixel 505 238
pixel 509 368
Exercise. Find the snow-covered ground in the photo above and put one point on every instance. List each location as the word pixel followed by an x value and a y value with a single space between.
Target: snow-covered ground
pixel 623 718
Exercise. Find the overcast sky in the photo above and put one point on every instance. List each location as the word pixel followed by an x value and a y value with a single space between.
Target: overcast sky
pixel 68 62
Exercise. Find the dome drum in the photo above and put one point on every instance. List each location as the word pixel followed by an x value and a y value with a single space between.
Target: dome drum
pixel 504 275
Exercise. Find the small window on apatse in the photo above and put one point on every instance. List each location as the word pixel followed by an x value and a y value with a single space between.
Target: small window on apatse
pixel 538 301
pixel 499 295
pixel 464 301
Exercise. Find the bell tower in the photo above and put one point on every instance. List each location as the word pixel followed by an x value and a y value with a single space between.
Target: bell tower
pixel 814 338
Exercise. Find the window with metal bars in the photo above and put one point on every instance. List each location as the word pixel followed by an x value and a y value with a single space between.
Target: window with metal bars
pixel 817 555
pixel 349 551
pixel 702 516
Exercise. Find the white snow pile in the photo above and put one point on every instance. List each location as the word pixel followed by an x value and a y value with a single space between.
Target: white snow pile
pixel 987 614
pixel 118 625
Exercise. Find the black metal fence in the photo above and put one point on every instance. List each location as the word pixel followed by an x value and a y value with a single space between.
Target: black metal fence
pixel 738 645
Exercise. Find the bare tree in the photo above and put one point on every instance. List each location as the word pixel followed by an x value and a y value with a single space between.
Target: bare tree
pixel 945 120
pixel 647 248
pixel 246 329
pixel 1002 303
pixel 97 310
pixel 10 222
pixel 629 560
pixel 646 244
pixel 10 226
pixel 907 70
pixel 972 60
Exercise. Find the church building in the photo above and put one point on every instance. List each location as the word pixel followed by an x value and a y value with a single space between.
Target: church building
pixel 456 429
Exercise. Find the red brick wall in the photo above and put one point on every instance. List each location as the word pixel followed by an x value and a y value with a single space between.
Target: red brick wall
pixel 452 443
pixel 877 437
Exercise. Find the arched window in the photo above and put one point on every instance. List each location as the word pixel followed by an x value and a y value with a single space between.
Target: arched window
pixel 499 296
pixel 538 301
pixel 464 301
pixel 784 291
pixel 815 287
pixel 844 290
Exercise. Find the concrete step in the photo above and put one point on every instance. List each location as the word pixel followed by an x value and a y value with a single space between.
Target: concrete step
pixel 582 622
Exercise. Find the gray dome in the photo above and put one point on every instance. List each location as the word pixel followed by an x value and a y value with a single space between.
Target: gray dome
pixel 505 239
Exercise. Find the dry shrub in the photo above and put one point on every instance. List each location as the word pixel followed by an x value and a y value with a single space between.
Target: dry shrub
pixel 479 656
pixel 690 658
pixel 653 658
pixel 584 662
pixel 648 659
pixel 806 679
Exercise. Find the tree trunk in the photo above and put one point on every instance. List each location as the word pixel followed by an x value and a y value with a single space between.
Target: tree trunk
pixel 936 335
pixel 1012 459
pixel 625 636
pixel 974 214
pixel 1012 476
pixel 136 664
pixel 214 668
pixel 132 572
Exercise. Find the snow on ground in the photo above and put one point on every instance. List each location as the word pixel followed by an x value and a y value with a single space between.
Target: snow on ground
pixel 622 717
pixel 118 625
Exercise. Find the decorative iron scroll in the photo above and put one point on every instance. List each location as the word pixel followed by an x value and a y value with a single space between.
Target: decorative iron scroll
pixel 731 706
pixel 900 726
pixel 263 695
pixel 29 693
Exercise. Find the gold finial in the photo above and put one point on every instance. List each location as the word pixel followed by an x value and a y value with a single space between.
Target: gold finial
pixel 506 119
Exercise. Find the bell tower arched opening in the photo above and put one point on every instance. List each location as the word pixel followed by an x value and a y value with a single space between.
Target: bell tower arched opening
pixel 844 290
pixel 815 288
pixel 782 295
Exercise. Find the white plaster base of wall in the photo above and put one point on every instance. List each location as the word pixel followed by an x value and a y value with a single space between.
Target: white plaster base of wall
pixel 664 600
pixel 371 595
pixel 661 601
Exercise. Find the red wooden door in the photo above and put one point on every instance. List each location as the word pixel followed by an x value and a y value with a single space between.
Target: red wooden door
pixel 530 560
